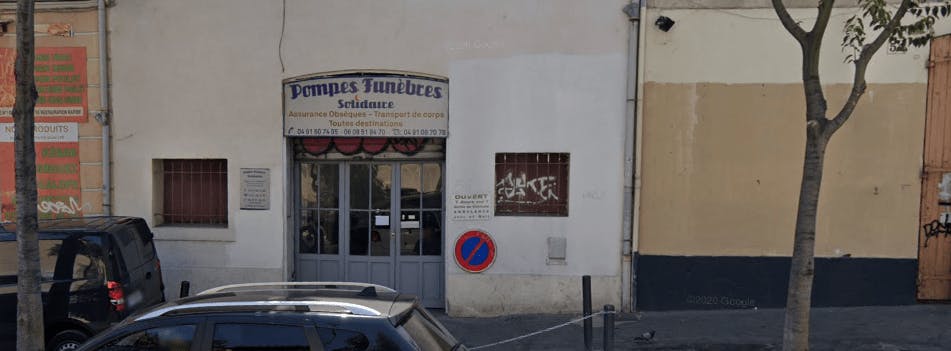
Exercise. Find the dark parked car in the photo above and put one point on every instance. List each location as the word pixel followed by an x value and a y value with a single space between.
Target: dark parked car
pixel 95 272
pixel 283 316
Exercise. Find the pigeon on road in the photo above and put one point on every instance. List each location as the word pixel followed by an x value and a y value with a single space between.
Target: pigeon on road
pixel 646 337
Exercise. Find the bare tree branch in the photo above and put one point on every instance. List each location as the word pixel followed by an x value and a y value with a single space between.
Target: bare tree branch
pixel 825 12
pixel 811 47
pixel 861 64
pixel 788 22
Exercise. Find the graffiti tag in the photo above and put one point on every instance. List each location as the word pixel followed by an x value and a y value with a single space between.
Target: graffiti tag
pixel 522 190
pixel 936 228
pixel 57 207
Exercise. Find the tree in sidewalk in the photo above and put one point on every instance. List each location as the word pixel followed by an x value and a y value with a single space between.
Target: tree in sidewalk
pixel 29 303
pixel 883 23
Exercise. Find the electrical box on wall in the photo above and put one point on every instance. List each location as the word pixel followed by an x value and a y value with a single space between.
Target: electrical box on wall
pixel 557 250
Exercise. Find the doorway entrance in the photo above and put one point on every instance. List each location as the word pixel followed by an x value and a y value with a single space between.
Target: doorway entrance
pixel 377 222
pixel 934 243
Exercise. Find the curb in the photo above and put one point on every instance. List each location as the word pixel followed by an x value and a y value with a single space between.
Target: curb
pixel 705 347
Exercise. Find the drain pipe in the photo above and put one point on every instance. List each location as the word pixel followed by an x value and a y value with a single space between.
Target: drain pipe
pixel 103 116
pixel 633 11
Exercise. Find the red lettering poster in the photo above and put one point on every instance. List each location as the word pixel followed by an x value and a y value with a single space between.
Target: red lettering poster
pixel 59 192
pixel 60 81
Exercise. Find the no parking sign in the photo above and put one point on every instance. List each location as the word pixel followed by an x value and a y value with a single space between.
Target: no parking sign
pixel 475 251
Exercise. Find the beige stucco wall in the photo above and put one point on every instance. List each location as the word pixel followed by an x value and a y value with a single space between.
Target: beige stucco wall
pixel 723 141
pixel 722 165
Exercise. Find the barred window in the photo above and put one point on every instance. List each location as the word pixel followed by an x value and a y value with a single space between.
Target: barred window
pixel 531 184
pixel 194 192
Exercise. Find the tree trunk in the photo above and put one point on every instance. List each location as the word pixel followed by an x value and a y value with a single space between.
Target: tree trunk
pixel 802 267
pixel 819 129
pixel 29 304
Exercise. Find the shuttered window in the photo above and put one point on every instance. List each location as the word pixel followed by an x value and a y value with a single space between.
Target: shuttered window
pixel 195 192
pixel 531 184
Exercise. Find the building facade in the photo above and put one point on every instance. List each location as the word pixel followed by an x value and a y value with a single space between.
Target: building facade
pixel 722 150
pixel 69 129
pixel 487 155
pixel 520 78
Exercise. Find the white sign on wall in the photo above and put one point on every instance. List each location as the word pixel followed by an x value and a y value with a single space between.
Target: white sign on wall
pixel 367 105
pixel 45 132
pixel 255 189
pixel 944 189
pixel 471 207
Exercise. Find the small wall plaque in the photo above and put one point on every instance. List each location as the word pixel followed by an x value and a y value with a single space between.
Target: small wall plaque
pixel 255 189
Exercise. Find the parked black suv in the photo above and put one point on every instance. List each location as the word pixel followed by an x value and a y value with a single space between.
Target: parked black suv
pixel 296 316
pixel 95 272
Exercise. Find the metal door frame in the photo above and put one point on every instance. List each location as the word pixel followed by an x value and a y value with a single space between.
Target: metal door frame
pixel 343 258
pixel 419 261
pixel 345 211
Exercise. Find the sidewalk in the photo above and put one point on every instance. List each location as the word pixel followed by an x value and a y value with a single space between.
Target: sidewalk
pixel 892 328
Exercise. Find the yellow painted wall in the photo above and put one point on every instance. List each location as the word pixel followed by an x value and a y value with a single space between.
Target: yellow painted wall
pixel 723 137
pixel 722 165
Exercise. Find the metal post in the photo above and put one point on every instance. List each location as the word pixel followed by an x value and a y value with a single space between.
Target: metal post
pixel 608 328
pixel 586 310
pixel 183 292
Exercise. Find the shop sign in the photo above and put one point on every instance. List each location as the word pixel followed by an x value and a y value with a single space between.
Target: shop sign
pixel 60 75
pixel 59 192
pixel 367 105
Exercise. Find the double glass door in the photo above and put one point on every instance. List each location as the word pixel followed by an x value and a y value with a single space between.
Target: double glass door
pixel 374 222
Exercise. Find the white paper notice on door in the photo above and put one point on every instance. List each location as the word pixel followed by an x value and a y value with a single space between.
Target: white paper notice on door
pixel 944 189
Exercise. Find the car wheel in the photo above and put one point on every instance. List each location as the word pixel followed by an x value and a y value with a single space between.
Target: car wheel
pixel 66 340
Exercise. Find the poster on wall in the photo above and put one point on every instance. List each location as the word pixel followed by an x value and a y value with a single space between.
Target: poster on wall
pixel 60 81
pixel 59 193
pixel 367 105
pixel 471 207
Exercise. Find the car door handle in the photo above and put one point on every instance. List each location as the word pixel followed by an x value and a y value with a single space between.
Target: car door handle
pixel 148 275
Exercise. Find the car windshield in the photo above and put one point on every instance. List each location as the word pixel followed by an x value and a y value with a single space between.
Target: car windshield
pixel 428 333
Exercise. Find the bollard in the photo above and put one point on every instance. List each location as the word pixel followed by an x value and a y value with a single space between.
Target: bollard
pixel 183 292
pixel 586 310
pixel 608 328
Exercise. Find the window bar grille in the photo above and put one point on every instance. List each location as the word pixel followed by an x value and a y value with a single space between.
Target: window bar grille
pixel 195 192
